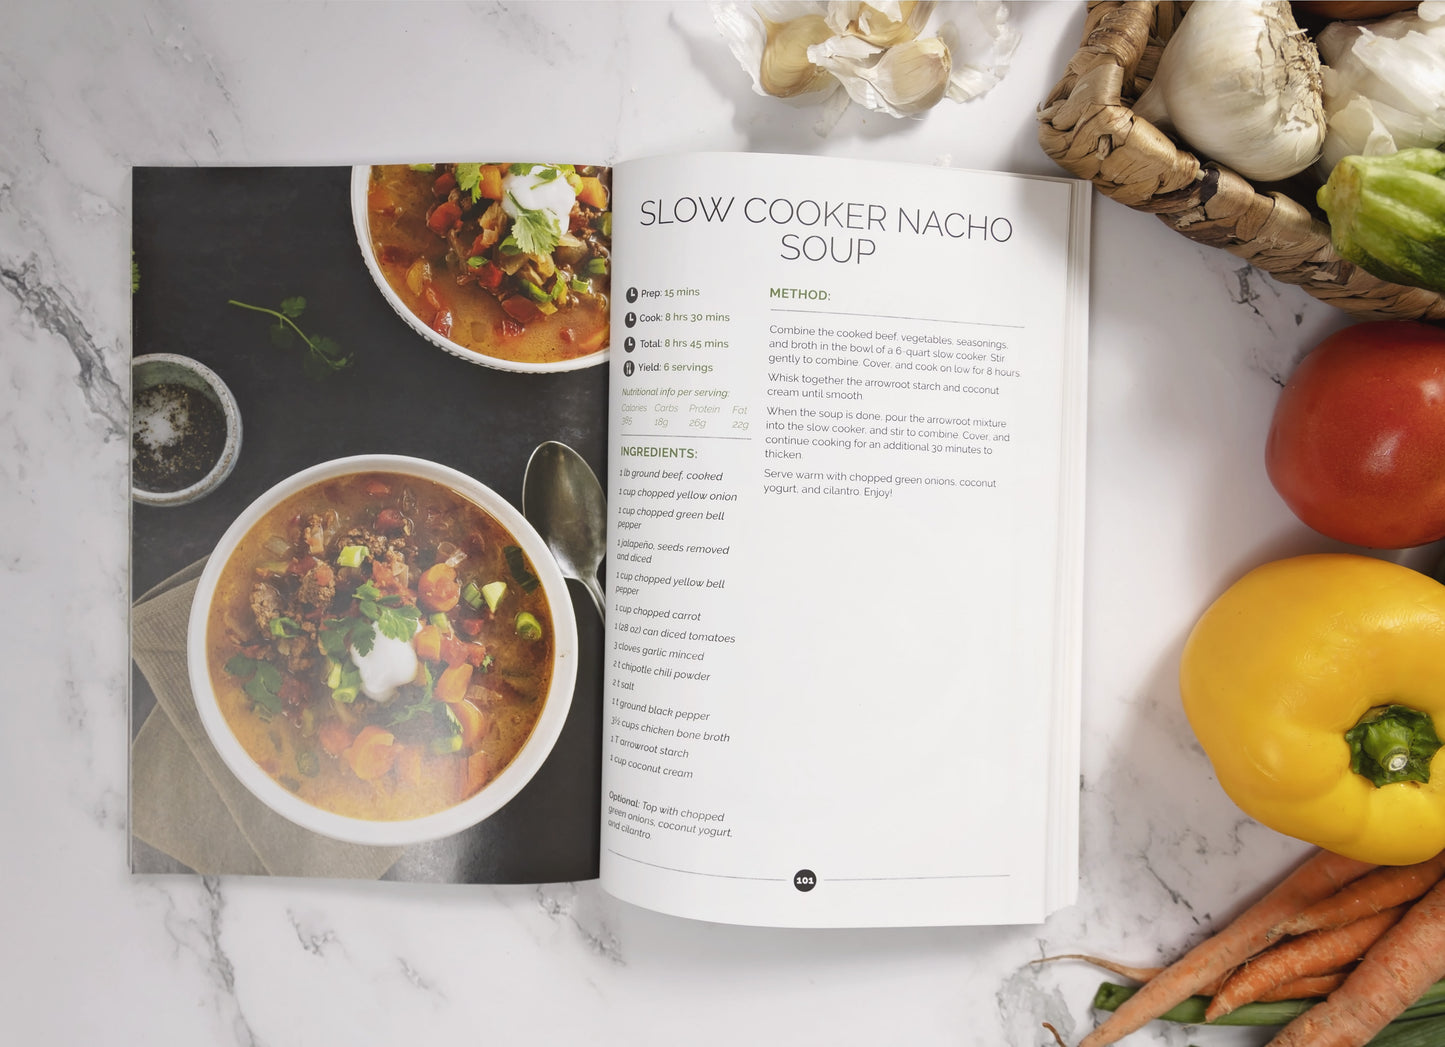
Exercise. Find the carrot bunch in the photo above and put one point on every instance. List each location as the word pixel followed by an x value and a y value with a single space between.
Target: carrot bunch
pixel 1368 939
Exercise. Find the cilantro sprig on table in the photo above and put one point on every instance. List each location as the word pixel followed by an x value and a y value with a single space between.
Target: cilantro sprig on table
pixel 323 355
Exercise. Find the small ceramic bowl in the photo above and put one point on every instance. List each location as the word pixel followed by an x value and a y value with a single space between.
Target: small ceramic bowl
pixel 185 429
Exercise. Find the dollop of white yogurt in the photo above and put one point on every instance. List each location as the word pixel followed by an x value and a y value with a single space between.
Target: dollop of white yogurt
pixel 543 189
pixel 388 665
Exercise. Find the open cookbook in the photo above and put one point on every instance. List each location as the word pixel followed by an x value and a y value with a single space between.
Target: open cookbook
pixel 710 525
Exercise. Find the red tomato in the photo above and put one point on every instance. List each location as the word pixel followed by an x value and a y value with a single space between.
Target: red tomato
pixel 1357 444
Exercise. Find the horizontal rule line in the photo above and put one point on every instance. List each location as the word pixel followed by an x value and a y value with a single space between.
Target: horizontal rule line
pixel 694 872
pixel 890 316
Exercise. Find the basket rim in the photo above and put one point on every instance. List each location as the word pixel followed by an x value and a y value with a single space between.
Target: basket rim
pixel 1087 127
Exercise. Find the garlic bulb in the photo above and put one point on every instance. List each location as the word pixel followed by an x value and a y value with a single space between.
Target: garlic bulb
pixel 1384 84
pixel 1239 82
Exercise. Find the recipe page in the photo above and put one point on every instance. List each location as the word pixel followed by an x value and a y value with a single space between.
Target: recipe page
pixel 845 472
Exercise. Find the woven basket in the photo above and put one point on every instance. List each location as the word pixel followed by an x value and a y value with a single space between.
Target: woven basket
pixel 1088 127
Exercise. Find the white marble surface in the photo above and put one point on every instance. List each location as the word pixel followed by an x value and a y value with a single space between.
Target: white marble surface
pixel 1188 349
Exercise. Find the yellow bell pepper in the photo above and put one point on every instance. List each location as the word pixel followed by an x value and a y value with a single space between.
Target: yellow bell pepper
pixel 1316 686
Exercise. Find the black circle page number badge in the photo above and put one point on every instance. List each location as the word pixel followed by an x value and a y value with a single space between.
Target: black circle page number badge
pixel 805 880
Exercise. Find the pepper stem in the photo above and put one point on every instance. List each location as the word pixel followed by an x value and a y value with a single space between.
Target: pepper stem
pixel 1393 743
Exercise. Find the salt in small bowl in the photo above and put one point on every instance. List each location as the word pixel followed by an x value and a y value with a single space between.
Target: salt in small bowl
pixel 185 430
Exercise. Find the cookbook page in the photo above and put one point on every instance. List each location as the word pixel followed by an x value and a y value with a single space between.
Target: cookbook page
pixel 845 466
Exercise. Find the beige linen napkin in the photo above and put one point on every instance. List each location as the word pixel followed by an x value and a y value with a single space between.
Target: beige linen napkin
pixel 184 800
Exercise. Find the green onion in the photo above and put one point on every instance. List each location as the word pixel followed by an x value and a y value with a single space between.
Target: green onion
pixel 597 266
pixel 283 628
pixel 533 292
pixel 1425 1018
pixel 449 730
pixel 518 566
pixel 442 622
pixel 476 261
pixel 528 628
pixel 1412 1032
pixel 352 555
pixel 1191 1011
pixel 472 595
pixel 581 286
pixel 307 763
pixel 492 593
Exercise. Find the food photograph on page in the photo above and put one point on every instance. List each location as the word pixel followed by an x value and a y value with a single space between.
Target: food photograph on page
pixel 356 655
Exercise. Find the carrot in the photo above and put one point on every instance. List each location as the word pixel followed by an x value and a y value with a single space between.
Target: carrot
pixel 1393 974
pixel 1319 876
pixel 1318 952
pixel 1123 970
pixel 372 754
pixel 1302 987
pixel 1305 987
pixel 1385 887
pixel 451 685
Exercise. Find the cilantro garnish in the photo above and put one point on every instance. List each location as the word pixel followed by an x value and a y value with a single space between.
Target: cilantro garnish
pixel 534 231
pixel 263 681
pixel 323 354
pixel 469 179
pixel 391 614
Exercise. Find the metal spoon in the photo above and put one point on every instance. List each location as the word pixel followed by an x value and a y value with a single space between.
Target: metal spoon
pixel 563 499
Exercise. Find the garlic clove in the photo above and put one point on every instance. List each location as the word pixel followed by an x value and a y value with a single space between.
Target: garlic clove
pixel 914 76
pixel 884 24
pixel 903 80
pixel 785 69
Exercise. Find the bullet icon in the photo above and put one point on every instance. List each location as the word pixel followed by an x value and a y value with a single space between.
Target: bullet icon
pixel 627 368
pixel 632 294
pixel 630 319
pixel 628 344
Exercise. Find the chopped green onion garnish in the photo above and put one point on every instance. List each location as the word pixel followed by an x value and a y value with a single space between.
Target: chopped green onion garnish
pixel 597 266
pixel 352 555
pixel 528 628
pixel 517 564
pixel 492 593
pixel 472 595
pixel 283 628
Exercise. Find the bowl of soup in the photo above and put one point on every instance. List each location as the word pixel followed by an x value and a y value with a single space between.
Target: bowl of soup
pixel 382 650
pixel 503 264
